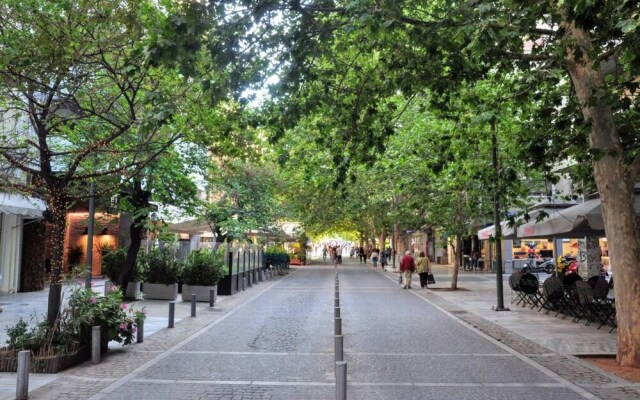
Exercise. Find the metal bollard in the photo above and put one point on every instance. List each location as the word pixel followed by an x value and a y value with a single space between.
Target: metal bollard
pixel 260 275
pixel 22 386
pixel 212 297
pixel 338 326
pixel 193 305
pixel 336 302
pixel 95 344
pixel 172 313
pixel 336 312
pixel 244 283
pixel 338 347
pixel 140 330
pixel 341 380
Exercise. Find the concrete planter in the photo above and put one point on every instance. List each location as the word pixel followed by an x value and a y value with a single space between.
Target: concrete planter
pixel 160 291
pixel 133 290
pixel 201 292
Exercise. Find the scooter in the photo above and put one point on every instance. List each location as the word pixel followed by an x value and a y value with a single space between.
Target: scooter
pixel 546 266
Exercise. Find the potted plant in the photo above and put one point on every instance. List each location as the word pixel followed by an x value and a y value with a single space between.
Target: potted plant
pixel 161 271
pixel 202 271
pixel 68 342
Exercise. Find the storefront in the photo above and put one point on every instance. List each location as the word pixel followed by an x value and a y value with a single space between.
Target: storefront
pixel 15 212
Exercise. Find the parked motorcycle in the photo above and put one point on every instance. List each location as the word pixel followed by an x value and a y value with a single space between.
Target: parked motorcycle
pixel 567 265
pixel 533 266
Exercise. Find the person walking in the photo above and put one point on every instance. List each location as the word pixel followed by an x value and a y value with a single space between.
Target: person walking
pixel 475 255
pixel 375 254
pixel 383 260
pixel 407 267
pixel 423 268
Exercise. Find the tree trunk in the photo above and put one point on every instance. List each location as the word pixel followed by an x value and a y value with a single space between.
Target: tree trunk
pixel 615 178
pixel 457 251
pixel 135 234
pixel 139 198
pixel 58 204
pixel 382 238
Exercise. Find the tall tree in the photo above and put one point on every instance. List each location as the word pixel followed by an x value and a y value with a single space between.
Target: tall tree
pixel 432 44
pixel 95 106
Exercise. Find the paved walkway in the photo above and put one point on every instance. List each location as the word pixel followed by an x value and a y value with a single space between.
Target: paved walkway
pixel 275 341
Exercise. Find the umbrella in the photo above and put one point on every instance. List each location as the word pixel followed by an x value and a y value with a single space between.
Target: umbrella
pixel 574 222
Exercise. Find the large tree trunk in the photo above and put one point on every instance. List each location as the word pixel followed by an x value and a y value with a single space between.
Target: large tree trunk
pixel 58 204
pixel 615 178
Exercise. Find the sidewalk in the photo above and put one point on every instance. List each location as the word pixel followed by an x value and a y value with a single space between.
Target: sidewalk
pixel 478 296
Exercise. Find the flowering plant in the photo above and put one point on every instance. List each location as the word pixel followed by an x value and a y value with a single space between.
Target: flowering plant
pixel 85 309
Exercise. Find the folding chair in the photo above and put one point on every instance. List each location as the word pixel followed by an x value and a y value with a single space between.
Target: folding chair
pixel 584 305
pixel 551 294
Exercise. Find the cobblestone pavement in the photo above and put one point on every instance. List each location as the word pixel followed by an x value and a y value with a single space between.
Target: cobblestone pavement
pixel 275 341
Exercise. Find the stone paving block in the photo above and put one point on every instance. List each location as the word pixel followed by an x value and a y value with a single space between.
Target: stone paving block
pixel 442 369
pixel 244 367
pixel 460 393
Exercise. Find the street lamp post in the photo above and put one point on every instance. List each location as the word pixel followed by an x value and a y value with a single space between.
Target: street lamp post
pixel 496 220
pixel 90 223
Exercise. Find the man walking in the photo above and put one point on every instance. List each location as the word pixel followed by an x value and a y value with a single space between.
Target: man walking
pixel 407 267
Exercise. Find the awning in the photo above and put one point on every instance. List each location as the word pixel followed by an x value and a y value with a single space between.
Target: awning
pixel 25 207
pixel 192 227
pixel 574 222
pixel 490 231
pixel 510 232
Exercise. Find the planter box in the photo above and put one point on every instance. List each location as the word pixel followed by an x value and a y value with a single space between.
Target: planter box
pixel 133 290
pixel 45 365
pixel 160 291
pixel 201 292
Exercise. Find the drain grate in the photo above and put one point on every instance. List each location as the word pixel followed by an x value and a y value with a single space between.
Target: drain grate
pixel 459 312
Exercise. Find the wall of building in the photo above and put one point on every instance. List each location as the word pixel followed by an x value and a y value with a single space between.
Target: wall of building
pixel 76 236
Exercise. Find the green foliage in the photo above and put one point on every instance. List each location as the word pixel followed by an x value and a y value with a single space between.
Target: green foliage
pixel 160 266
pixel 245 198
pixel 112 262
pixel 74 256
pixel 204 267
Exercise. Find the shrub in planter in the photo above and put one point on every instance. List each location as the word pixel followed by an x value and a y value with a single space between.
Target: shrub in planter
pixel 276 256
pixel 204 268
pixel 160 267
pixel 201 272
pixel 161 272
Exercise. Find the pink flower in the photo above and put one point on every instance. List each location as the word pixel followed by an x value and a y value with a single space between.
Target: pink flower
pixel 92 300
pixel 123 306
pixel 123 327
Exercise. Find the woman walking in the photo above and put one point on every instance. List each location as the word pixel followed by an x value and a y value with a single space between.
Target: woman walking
pixel 423 268
pixel 374 257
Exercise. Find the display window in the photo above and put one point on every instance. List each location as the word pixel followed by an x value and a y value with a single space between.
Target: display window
pixel 532 249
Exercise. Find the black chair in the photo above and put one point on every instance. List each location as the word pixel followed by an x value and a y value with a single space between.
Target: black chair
pixel 552 294
pixel 514 284
pixel 529 286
